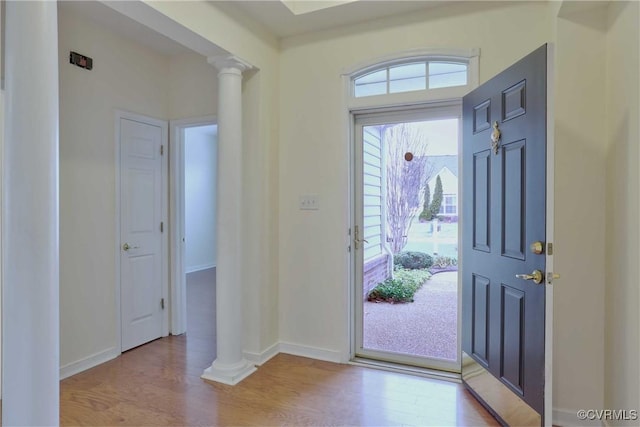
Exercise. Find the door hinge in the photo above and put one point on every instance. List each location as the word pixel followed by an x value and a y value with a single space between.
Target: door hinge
pixel 162 150
pixel 549 248
pixel 162 227
pixel 162 303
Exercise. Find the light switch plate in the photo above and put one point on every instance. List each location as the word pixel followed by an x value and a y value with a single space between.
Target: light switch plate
pixel 309 202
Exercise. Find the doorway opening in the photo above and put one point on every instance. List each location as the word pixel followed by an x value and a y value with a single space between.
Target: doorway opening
pixel 200 158
pixel 194 200
pixel 406 231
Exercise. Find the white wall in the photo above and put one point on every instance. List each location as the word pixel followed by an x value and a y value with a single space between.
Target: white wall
pixel 622 374
pixel 125 76
pixel 1 174
pixel 245 38
pixel 579 215
pixel 200 161
pixel 314 145
pixel 1 198
pixel 193 87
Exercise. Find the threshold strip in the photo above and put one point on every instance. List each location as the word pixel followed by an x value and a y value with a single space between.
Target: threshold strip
pixel 407 369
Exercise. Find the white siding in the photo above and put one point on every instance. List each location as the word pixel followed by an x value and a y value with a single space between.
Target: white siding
pixel 372 194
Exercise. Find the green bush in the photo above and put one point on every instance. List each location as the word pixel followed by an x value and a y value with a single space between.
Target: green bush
pixel 412 260
pixel 401 288
pixel 444 262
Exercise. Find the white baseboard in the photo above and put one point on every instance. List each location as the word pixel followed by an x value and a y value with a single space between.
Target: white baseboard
pixel 195 268
pixel 88 362
pixel 311 352
pixel 261 358
pixel 569 418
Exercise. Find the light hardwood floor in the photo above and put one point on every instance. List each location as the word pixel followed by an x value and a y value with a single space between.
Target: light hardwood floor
pixel 159 384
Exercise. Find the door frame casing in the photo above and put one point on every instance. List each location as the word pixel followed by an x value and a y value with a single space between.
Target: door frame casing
pixel 178 297
pixel 351 106
pixel 164 256
pixel 426 111
pixel 550 174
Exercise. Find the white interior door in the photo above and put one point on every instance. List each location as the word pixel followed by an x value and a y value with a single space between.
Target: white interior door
pixel 141 260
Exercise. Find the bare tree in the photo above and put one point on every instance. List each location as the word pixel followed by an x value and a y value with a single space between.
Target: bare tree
pixel 407 172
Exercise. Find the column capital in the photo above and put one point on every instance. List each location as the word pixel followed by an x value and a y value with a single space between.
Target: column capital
pixel 229 61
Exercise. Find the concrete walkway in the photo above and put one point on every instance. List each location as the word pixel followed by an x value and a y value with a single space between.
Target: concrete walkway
pixel 426 327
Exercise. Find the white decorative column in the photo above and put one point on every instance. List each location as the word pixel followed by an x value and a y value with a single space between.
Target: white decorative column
pixel 230 366
pixel 30 302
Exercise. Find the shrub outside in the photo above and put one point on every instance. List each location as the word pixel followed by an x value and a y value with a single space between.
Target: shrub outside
pixel 401 288
pixel 413 260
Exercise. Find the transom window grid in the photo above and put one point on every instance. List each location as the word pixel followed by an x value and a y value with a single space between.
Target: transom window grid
pixel 411 76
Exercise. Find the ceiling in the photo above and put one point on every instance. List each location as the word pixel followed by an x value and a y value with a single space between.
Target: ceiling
pixel 120 24
pixel 286 18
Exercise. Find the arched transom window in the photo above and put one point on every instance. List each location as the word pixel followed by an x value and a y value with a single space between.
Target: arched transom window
pixel 414 76
pixel 411 76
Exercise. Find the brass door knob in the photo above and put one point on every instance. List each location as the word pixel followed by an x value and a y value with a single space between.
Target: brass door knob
pixel 537 276
pixel 126 247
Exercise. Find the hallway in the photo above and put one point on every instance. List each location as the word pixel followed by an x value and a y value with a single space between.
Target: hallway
pixel 201 313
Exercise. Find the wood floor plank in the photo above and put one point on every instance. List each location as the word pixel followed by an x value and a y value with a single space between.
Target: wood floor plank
pixel 159 384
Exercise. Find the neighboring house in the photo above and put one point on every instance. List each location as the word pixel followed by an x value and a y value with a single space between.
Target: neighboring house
pixel 445 167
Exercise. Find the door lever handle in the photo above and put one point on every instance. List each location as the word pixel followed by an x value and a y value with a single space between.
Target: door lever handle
pixel 356 238
pixel 537 276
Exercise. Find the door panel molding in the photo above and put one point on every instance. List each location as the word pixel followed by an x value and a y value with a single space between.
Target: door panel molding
pixel 513 180
pixel 517 358
pixel 480 319
pixel 119 115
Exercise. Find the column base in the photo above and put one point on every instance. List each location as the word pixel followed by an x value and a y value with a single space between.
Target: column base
pixel 230 374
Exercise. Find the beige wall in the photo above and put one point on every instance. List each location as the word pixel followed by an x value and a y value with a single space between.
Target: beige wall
pixel 622 384
pixel 1 160
pixel 314 275
pixel 124 76
pixel 579 218
pixel 246 39
pixel 129 77
pixel 193 87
